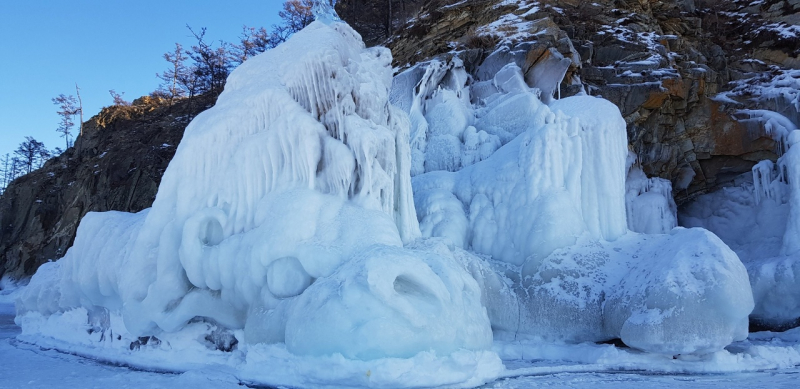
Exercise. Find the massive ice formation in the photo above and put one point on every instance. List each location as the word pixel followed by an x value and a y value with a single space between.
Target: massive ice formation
pixel 302 166
pixel 287 217
pixel 561 172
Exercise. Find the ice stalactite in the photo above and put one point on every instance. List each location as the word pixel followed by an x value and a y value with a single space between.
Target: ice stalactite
pixel 763 179
pixel 604 153
pixel 649 205
pixel 777 126
pixel 790 163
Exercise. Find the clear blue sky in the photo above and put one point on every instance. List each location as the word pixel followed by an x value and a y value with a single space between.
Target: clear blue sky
pixel 47 46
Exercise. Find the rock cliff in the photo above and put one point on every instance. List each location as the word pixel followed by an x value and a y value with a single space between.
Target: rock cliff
pixel 116 164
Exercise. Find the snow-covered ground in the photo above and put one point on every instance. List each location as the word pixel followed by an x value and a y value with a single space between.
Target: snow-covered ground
pixel 23 365
pixel 27 366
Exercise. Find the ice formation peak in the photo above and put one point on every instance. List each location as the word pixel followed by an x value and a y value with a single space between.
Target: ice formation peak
pixel 324 11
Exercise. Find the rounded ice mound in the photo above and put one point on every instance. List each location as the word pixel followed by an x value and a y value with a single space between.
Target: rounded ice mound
pixel 390 302
pixel 688 293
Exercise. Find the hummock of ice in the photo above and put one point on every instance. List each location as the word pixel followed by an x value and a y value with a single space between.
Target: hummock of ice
pixel 760 220
pixel 287 220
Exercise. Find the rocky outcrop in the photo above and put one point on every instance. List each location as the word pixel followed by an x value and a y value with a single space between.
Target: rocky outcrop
pixel 663 63
pixel 116 164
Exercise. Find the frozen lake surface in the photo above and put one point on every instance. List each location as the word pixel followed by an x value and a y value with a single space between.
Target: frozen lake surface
pixel 28 366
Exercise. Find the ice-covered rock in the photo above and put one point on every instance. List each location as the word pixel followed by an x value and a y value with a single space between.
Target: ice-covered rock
pixel 685 292
pixel 390 302
pixel 560 182
pixel 286 221
pixel 324 11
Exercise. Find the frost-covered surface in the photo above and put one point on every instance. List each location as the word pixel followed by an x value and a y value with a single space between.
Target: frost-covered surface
pixel 513 26
pixel 286 245
pixel 776 92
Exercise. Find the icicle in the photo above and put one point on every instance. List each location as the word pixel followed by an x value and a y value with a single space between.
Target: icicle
pixel 762 180
pixel 559 89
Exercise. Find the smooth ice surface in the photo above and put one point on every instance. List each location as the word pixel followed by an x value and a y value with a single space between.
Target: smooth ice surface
pixel 750 364
pixel 678 293
pixel 393 302
pixel 690 294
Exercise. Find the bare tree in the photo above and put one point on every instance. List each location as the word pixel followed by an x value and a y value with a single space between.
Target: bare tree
pixel 42 156
pixel 67 110
pixel 211 64
pixel 31 152
pixel 174 77
pixel 296 14
pixel 10 168
pixel 80 110
pixel 118 100
pixel 252 41
pixel 6 173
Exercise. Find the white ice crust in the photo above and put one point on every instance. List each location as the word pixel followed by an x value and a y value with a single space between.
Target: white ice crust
pixel 287 221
